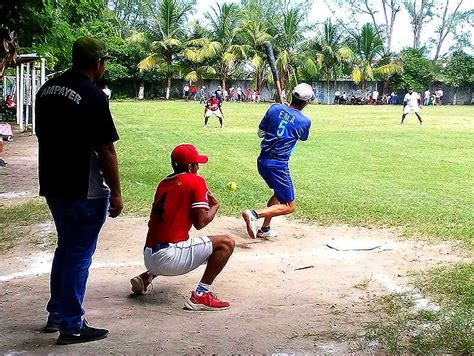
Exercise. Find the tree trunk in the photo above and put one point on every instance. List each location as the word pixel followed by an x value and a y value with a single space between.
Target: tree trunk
pixel 385 86
pixel 168 87
pixel 141 90
pixel 327 91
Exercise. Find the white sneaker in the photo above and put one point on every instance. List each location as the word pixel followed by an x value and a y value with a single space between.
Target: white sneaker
pixel 251 222
pixel 267 234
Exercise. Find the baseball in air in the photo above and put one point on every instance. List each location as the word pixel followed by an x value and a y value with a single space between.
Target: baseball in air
pixel 231 186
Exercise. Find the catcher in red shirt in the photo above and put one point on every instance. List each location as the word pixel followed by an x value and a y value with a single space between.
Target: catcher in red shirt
pixel 213 107
pixel 182 200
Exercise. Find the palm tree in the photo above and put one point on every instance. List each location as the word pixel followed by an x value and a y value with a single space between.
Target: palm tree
pixel 164 37
pixel 198 54
pixel 327 53
pixel 288 36
pixel 228 54
pixel 369 60
pixel 254 33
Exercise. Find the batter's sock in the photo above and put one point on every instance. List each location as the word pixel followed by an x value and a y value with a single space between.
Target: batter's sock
pixel 202 288
pixel 254 214
pixel 265 229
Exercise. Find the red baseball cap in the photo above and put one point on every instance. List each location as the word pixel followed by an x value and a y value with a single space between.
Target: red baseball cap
pixel 186 154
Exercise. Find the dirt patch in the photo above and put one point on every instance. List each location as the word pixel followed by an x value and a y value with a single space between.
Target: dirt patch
pixel 291 294
pixel 19 179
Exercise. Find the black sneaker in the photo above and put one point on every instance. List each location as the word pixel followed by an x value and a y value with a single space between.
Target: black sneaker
pixel 2 163
pixel 86 334
pixel 50 327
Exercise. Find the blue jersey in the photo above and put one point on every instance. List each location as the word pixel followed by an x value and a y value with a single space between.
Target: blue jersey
pixel 283 126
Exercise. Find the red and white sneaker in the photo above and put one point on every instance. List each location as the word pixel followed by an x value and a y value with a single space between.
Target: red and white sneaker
pixel 141 284
pixel 206 301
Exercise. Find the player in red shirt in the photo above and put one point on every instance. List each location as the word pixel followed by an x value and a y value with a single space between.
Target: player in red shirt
pixel 182 200
pixel 213 107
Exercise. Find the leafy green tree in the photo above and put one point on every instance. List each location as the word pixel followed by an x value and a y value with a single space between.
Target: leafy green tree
pixel 327 53
pixel 132 15
pixel 459 71
pixel 288 37
pixel 49 27
pixel 254 32
pixel 199 53
pixel 222 45
pixel 369 61
pixel 164 37
pixel 417 71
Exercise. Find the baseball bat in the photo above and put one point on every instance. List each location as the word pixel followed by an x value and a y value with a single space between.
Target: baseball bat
pixel 271 62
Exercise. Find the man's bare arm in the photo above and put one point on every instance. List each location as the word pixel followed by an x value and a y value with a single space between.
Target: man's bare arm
pixel 202 217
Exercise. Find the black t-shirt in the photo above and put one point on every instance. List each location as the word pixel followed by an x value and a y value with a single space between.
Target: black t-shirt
pixel 72 117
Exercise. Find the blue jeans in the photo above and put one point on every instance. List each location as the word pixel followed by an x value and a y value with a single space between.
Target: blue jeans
pixel 78 223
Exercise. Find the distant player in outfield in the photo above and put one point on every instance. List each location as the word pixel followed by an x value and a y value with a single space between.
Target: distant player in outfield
pixel 281 127
pixel 411 103
pixel 213 107
pixel 182 200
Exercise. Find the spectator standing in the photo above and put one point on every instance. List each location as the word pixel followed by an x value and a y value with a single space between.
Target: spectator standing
pixel 219 94
pixel 375 96
pixel 439 96
pixel 248 95
pixel 107 92
pixel 239 94
pixel 337 95
pixel 202 95
pixel 186 92
pixel 193 92
pixel 426 98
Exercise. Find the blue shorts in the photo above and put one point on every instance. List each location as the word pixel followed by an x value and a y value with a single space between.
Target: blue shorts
pixel 277 175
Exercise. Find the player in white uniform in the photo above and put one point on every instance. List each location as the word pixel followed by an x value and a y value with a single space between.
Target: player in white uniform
pixel 411 103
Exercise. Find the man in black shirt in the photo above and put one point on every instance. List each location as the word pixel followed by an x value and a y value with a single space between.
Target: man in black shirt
pixel 78 175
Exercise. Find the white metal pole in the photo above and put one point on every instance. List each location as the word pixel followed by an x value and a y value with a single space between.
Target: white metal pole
pixel 17 94
pixel 21 95
pixel 43 71
pixel 27 94
pixel 33 97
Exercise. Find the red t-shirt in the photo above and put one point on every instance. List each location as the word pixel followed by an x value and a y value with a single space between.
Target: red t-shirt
pixel 10 103
pixel 170 218
pixel 213 104
pixel 193 89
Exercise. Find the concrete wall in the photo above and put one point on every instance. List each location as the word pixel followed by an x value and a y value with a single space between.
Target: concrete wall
pixel 464 95
pixel 157 90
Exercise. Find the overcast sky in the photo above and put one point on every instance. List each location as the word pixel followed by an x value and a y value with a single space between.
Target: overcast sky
pixel 403 35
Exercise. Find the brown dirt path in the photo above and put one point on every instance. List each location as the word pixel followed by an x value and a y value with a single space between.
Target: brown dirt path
pixel 275 307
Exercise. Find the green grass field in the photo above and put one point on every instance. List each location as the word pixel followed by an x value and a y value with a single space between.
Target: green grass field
pixel 359 167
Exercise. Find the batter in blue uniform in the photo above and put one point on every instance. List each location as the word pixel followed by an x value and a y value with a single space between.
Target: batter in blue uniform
pixel 281 127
